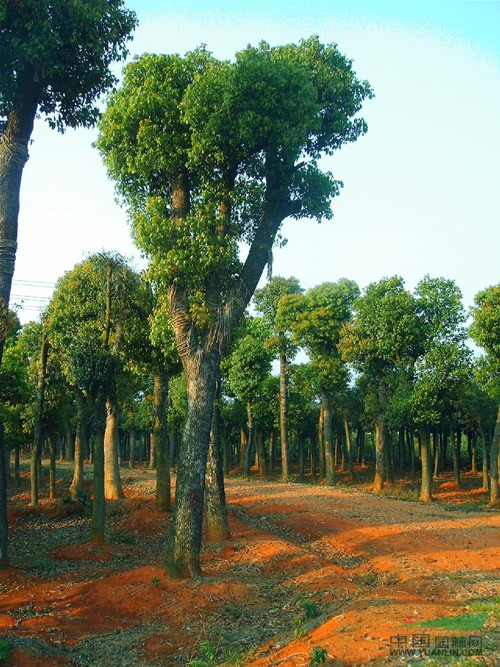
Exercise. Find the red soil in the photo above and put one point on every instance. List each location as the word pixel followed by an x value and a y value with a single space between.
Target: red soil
pixel 307 568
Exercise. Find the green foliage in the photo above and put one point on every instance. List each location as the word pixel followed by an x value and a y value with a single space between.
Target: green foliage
pixel 206 153
pixel 318 656
pixel 249 362
pixel 5 649
pixel 97 321
pixel 60 52
pixel 485 329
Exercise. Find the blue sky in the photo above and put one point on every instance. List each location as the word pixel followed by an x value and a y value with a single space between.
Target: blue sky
pixel 421 190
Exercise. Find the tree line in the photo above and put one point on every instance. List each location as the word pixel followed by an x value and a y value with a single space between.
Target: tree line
pixel 390 380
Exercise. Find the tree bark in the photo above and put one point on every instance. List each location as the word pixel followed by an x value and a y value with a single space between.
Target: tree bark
pixel 350 467
pixel 112 483
pixel 381 440
pixel 426 483
pixel 454 453
pixel 494 451
pixel 285 464
pixel 328 438
pixel 4 525
pixel 215 496
pixel 184 541
pixel 261 450
pixel 98 504
pixel 378 481
pixel 321 444
pixel 160 438
pixel 251 440
pixel 79 449
pixel 52 468
pixel 484 447
pixel 36 450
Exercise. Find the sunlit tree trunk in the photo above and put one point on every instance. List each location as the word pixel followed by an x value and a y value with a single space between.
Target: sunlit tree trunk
pixel 328 438
pixel 98 504
pixel 494 451
pixel 484 445
pixel 251 440
pixel 426 485
pixel 36 450
pixel 285 463
pixel 455 457
pixel 80 447
pixel 112 483
pixel 184 541
pixel 321 444
pixel 215 496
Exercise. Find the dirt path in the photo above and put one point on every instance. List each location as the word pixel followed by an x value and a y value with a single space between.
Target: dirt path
pixel 311 576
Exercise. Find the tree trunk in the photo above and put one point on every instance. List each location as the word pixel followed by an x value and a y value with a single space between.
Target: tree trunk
pixel 80 446
pixel 13 157
pixel 160 439
pixel 454 453
pixel 215 495
pixel 328 438
pixel 300 443
pixel 4 525
pixel 52 468
pixel 426 485
pixel 321 444
pixel 350 467
pixel 98 504
pixel 112 483
pixel 17 472
pixel 250 444
pixel 471 439
pixel 131 448
pixel 261 450
pixel 36 450
pixel 243 449
pixel 494 451
pixel 285 462
pixel 272 450
pixel 484 446
pixel 184 541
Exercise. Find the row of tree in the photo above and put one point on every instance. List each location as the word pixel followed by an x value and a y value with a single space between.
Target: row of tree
pixel 385 361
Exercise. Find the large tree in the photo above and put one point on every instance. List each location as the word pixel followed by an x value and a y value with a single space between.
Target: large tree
pixel 207 155
pixel 54 60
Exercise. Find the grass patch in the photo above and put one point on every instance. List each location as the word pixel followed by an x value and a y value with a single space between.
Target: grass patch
pixel 41 564
pixel 490 606
pixel 5 649
pixel 466 622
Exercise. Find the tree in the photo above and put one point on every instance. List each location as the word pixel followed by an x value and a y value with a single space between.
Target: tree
pixel 279 314
pixel 92 323
pixel 249 365
pixel 327 307
pixel 54 60
pixel 442 367
pixel 485 330
pixel 384 337
pixel 206 155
